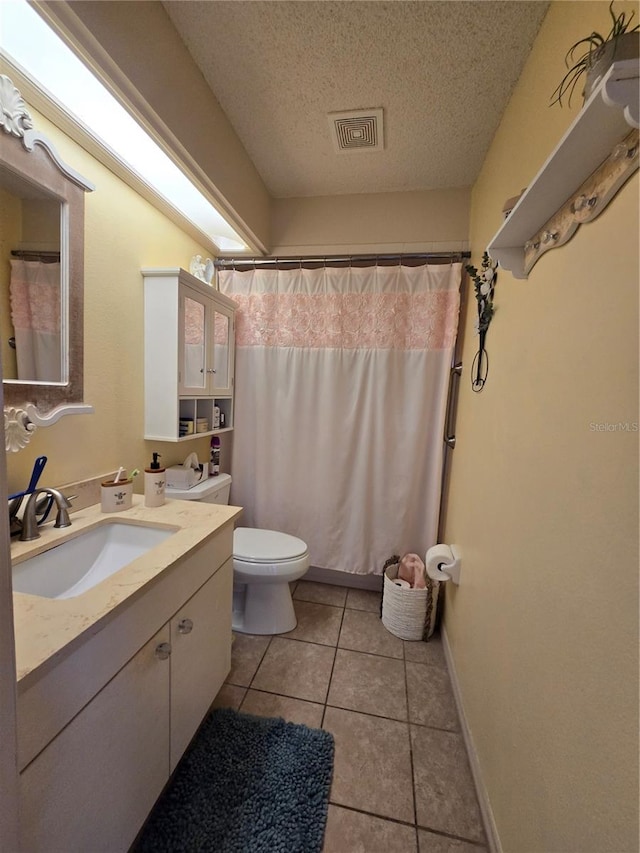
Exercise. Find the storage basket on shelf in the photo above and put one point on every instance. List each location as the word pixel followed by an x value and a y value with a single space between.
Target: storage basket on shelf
pixel 408 613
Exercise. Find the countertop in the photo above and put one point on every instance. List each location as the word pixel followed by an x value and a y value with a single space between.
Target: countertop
pixel 44 626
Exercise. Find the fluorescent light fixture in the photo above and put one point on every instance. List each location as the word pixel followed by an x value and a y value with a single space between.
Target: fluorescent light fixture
pixel 29 41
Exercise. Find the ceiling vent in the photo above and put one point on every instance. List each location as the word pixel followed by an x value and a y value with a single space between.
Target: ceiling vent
pixel 357 130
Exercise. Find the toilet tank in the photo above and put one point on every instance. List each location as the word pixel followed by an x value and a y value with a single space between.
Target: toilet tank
pixel 214 490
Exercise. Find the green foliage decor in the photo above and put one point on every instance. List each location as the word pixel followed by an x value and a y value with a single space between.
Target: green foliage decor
pixel 592 48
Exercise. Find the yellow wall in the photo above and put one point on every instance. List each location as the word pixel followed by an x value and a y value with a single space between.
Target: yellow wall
pixel 123 233
pixel 428 220
pixel 544 626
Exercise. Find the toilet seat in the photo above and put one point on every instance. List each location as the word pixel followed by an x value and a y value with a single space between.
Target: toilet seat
pixel 268 547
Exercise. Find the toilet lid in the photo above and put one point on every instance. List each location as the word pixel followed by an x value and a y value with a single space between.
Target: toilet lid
pixel 266 546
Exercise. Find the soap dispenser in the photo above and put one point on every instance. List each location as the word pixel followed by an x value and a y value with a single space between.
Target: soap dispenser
pixel 154 483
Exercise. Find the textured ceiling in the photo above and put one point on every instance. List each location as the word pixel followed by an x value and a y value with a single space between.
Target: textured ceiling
pixel 441 71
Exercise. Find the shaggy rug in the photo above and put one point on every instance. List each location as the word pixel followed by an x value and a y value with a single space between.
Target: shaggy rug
pixel 245 785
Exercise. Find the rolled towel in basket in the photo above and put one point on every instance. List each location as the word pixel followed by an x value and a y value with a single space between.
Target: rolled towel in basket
pixel 411 569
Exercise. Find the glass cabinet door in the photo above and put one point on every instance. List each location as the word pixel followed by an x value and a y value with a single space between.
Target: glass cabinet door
pixel 193 368
pixel 221 351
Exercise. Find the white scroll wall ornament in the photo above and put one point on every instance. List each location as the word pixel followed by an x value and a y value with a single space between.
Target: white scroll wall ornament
pixel 14 116
pixel 587 203
pixel 18 429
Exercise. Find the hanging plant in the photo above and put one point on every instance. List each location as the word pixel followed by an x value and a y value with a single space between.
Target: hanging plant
pixel 585 53
pixel 484 282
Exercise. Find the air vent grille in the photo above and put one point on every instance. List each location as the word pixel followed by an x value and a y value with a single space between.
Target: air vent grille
pixel 359 130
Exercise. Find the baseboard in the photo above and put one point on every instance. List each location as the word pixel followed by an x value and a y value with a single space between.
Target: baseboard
pixel 344 579
pixel 490 828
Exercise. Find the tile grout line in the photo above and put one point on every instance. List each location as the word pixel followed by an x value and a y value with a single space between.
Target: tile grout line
pixel 344 648
pixel 413 776
pixel 333 664
pixel 439 832
pixel 266 648
pixel 376 815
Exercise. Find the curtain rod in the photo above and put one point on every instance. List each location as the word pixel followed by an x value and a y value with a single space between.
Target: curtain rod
pixel 35 254
pixel 310 259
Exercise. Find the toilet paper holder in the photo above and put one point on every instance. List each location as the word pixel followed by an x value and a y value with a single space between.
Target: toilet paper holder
pixel 444 563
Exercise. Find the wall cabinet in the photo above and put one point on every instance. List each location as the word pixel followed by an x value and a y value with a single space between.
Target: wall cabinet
pixel 95 782
pixel 188 356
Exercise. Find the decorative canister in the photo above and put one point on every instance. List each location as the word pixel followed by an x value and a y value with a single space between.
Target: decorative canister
pixel 115 497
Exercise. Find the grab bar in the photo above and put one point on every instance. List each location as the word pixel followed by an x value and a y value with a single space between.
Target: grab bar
pixel 449 436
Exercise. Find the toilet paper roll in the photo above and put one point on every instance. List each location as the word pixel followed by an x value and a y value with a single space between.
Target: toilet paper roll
pixel 401 583
pixel 437 559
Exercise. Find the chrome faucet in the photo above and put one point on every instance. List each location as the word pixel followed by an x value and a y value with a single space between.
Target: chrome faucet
pixel 29 520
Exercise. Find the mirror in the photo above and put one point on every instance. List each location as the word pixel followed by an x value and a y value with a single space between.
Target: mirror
pixel 221 351
pixel 30 285
pixel 41 275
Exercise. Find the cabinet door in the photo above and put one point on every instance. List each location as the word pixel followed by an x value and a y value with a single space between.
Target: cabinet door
pixel 201 656
pixel 222 350
pixel 93 786
pixel 194 369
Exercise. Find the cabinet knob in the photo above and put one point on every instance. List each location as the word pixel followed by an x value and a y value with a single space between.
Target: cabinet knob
pixel 163 651
pixel 185 626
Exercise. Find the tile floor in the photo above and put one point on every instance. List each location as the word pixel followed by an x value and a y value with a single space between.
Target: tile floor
pixel 401 781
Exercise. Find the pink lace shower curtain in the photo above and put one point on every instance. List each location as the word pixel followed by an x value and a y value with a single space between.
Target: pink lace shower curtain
pixel 341 385
pixel 35 314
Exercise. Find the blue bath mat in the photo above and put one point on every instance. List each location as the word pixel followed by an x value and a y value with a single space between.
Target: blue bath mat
pixel 246 785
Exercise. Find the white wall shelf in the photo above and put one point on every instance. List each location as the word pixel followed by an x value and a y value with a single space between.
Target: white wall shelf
pixel 591 142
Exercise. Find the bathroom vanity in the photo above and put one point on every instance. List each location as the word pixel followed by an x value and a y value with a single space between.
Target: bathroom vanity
pixel 113 683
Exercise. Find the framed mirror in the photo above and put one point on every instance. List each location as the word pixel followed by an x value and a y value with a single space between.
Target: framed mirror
pixel 41 275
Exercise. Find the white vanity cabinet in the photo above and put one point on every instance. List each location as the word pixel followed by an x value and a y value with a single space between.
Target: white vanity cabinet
pixel 96 782
pixel 90 778
pixel 200 657
pixel 188 356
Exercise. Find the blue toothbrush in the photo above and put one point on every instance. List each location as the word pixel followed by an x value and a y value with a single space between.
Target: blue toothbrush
pixel 16 499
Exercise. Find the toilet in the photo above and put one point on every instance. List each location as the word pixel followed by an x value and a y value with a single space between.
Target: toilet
pixel 264 564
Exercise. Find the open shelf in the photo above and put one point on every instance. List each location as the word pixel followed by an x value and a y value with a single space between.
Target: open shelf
pixel 603 122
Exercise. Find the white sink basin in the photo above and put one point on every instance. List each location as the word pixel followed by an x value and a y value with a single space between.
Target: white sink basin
pixel 74 566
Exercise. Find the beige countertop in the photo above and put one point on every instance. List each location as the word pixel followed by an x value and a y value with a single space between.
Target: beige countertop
pixel 44 626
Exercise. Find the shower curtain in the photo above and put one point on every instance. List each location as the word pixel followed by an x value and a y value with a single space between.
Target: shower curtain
pixel 340 395
pixel 35 313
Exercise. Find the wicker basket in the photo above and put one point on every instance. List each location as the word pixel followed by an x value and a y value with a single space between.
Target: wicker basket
pixel 408 613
